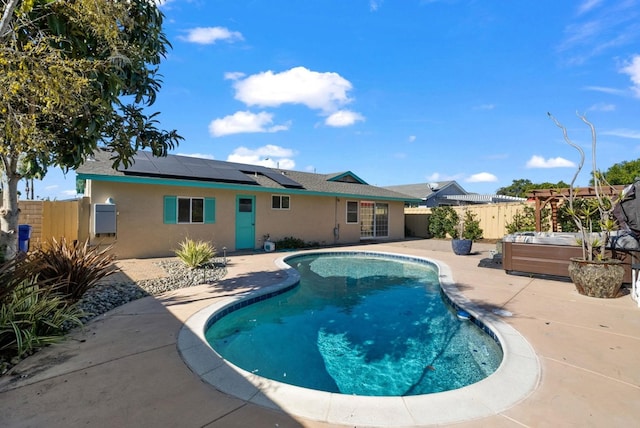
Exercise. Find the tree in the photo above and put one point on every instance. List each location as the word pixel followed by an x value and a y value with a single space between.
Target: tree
pixel 76 76
pixel 518 188
pixel 522 187
pixel 622 173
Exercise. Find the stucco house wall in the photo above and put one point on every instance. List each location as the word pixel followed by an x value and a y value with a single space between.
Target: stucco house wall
pixel 142 232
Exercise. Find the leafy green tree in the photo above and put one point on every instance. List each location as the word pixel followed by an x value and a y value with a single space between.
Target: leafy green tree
pixel 622 173
pixel 518 188
pixel 76 76
pixel 522 187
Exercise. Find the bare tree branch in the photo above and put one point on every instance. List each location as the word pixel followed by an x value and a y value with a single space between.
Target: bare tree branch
pixel 5 21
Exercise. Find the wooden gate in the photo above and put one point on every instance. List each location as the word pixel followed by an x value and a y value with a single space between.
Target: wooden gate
pixel 51 219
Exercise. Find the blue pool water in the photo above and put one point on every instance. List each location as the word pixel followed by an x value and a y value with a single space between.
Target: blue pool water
pixel 362 325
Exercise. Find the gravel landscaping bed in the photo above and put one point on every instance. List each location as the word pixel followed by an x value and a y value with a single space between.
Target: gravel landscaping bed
pixel 103 298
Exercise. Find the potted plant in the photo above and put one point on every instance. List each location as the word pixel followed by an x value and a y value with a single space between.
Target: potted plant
pixel 464 231
pixel 594 274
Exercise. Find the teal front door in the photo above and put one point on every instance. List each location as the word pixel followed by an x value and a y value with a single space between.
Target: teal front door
pixel 245 222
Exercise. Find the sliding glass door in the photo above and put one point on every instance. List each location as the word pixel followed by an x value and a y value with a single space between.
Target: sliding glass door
pixel 374 220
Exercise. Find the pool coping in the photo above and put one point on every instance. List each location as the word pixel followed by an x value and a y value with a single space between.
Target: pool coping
pixel 515 379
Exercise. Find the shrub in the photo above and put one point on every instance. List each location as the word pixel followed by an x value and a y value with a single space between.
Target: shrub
pixel 291 243
pixel 32 316
pixel 446 221
pixel 471 226
pixel 75 268
pixel 525 220
pixel 12 273
pixel 583 206
pixel 195 253
pixel 442 221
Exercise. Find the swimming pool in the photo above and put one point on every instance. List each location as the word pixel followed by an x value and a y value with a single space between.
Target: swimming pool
pixel 515 379
pixel 360 324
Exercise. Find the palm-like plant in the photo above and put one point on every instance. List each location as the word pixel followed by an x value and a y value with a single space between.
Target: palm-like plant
pixel 74 267
pixel 195 253
pixel 32 316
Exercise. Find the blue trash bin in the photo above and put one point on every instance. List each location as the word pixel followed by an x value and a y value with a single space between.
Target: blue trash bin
pixel 24 235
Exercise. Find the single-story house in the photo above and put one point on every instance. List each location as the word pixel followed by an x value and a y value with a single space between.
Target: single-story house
pixel 449 193
pixel 147 209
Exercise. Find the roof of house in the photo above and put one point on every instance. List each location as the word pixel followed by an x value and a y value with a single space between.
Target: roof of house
pixel 484 199
pixel 185 171
pixel 425 191
pixel 454 192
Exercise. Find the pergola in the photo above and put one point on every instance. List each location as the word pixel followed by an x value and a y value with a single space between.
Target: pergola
pixel 543 197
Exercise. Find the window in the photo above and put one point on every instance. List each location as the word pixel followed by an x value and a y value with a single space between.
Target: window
pixel 352 211
pixel 245 205
pixel 189 210
pixel 280 202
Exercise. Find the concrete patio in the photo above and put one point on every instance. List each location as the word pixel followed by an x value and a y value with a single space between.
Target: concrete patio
pixel 124 368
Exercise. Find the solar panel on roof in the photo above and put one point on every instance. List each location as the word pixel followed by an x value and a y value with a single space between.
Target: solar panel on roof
pixel 202 169
pixel 185 167
pixel 282 179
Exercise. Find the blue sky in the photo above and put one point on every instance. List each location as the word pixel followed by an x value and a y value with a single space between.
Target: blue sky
pixel 400 92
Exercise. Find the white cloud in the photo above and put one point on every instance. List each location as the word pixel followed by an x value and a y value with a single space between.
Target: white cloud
pixel 436 176
pixel 602 107
pixel 482 177
pixel 210 35
pixel 69 192
pixel 540 162
pixel 375 5
pixel 485 107
pixel 597 30
pixel 51 187
pixel 343 118
pixel 233 75
pixel 632 68
pixel 588 5
pixel 271 156
pixel 197 155
pixel 318 91
pixel 606 90
pixel 244 122
pixel 412 138
pixel 623 132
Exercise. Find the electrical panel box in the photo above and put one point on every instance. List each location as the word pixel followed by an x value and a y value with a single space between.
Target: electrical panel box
pixel 104 219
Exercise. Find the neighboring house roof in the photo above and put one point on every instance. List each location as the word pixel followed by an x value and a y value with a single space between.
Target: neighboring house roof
pixel 427 191
pixel 484 199
pixel 449 191
pixel 189 171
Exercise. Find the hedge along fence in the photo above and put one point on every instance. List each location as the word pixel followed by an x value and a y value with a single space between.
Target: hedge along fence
pixel 493 218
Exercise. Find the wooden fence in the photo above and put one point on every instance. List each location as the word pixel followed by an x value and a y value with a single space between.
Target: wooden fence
pixel 51 219
pixel 493 218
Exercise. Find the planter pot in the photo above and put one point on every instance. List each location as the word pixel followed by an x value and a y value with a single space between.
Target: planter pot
pixel 461 247
pixel 597 278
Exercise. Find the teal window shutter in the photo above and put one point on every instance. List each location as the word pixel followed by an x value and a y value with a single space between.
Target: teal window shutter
pixel 209 210
pixel 170 210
